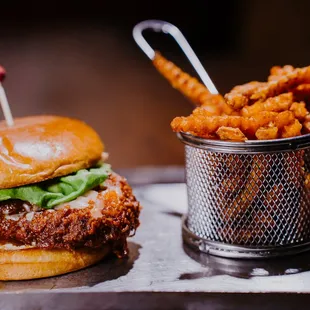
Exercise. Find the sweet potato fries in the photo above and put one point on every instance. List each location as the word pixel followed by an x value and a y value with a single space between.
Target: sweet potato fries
pixel 277 108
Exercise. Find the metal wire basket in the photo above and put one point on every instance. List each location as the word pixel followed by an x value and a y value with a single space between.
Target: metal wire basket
pixel 247 200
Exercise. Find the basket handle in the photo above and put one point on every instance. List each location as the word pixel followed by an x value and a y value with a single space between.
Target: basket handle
pixel 167 28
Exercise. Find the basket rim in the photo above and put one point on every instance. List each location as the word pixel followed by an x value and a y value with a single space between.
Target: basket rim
pixel 249 146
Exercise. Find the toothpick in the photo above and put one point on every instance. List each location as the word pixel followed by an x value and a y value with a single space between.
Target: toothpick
pixel 4 102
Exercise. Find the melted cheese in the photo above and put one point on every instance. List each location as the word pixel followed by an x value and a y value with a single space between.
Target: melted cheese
pixel 26 207
pixel 29 216
pixel 98 206
pixel 92 199
pixel 14 217
pixel 9 246
pixel 115 189
pixel 80 202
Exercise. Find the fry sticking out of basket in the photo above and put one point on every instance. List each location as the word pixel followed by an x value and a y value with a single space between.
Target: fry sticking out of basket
pixel 167 28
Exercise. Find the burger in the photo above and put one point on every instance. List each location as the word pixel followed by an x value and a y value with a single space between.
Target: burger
pixel 62 208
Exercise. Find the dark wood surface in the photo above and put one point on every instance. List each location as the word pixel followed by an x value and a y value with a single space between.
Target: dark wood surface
pixel 155 301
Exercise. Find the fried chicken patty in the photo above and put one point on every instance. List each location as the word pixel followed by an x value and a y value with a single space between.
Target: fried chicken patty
pixel 104 216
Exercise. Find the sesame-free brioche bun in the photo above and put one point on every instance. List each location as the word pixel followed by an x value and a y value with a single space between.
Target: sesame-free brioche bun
pixel 38 148
pixel 34 263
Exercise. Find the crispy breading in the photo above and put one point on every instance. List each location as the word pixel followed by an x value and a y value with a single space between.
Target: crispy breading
pixel 116 218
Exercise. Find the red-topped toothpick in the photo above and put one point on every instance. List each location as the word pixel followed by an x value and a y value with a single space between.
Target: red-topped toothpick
pixel 3 100
pixel 2 74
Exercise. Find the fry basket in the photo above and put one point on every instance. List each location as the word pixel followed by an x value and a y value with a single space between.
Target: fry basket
pixel 247 199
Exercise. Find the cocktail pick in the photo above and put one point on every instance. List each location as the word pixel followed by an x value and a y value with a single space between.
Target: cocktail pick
pixel 167 28
pixel 4 102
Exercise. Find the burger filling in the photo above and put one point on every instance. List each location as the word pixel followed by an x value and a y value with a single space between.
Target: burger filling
pixel 89 208
pixel 51 193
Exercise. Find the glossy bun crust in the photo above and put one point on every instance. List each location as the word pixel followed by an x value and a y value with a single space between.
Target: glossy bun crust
pixel 38 148
pixel 35 263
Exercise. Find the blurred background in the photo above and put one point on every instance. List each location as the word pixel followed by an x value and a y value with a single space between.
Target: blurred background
pixel 79 59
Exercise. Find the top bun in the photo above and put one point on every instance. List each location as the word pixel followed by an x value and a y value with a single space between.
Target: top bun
pixel 39 148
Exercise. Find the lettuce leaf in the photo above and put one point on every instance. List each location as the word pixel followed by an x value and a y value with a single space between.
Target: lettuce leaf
pixel 51 193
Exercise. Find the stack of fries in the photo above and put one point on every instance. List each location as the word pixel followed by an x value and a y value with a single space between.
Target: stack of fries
pixel 278 108
pixel 254 188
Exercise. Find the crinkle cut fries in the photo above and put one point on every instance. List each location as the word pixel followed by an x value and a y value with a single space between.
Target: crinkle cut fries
pixel 277 108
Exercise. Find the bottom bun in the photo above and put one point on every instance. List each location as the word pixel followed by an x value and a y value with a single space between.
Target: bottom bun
pixel 34 263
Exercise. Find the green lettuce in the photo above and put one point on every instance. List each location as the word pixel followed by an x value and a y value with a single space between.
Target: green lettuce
pixel 51 193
